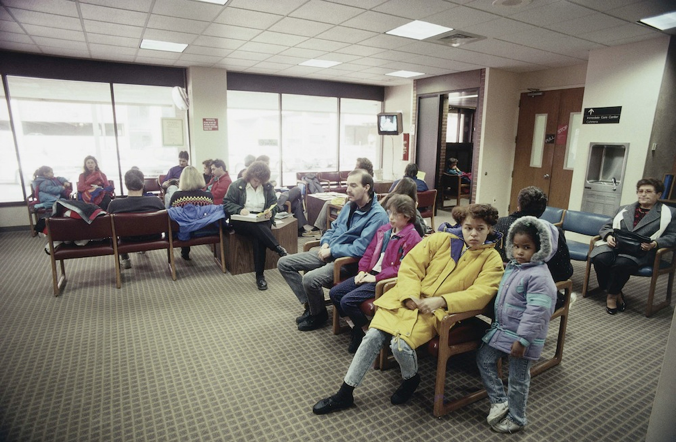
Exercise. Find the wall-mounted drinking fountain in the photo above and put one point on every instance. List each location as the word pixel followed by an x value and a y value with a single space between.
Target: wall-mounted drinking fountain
pixel 604 178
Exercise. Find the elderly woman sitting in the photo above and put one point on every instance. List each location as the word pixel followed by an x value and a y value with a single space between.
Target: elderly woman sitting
pixel 647 217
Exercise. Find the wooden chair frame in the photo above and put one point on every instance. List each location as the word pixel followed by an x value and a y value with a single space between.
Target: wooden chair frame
pixel 218 257
pixel 458 187
pixel 428 199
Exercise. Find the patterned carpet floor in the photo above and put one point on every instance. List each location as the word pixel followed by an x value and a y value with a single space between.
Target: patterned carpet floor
pixel 210 358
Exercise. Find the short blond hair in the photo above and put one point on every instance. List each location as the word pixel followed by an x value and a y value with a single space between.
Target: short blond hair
pixel 191 179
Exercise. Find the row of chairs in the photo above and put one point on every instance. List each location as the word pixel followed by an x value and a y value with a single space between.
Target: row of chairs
pixel 589 224
pixel 105 235
pixel 459 333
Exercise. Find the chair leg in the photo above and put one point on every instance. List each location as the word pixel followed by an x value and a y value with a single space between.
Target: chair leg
pixel 338 325
pixel 117 266
pixel 650 307
pixel 586 281
pixel 55 284
pixel 171 261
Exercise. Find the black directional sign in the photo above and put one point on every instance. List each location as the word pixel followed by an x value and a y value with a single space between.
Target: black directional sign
pixel 602 115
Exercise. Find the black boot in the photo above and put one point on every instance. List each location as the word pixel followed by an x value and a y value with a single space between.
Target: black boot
pixel 406 390
pixel 304 316
pixel 340 401
pixel 356 336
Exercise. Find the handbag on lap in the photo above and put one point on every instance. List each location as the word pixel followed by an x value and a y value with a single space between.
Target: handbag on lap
pixel 630 243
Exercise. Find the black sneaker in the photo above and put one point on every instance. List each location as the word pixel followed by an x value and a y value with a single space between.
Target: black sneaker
pixel 305 315
pixel 332 404
pixel 313 322
pixel 406 390
pixel 281 251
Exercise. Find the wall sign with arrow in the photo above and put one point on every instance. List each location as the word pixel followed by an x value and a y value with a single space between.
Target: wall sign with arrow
pixel 602 115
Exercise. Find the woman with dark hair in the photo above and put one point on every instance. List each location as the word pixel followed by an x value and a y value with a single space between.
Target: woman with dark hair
pixel 647 217
pixel 411 171
pixel 407 187
pixel 453 271
pixel 207 170
pixel 93 185
pixel 254 194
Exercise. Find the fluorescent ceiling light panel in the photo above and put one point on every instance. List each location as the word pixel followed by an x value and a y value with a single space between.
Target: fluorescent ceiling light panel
pixel 215 2
pixel 167 46
pixel 662 22
pixel 419 30
pixel 320 63
pixel 405 74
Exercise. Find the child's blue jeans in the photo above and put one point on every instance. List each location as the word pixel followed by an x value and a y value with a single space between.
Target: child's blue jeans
pixel 519 381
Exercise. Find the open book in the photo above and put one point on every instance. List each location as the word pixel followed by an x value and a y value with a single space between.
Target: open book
pixel 250 218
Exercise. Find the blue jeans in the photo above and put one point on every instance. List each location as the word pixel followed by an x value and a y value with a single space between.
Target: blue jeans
pixel 307 288
pixel 347 298
pixel 519 381
pixel 369 349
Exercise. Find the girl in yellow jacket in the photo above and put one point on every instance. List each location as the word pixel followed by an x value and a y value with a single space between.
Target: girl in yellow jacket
pixel 451 271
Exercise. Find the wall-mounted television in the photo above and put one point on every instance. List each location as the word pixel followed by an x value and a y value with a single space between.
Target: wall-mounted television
pixel 390 123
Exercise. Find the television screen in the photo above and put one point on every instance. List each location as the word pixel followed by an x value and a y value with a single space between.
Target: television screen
pixel 390 123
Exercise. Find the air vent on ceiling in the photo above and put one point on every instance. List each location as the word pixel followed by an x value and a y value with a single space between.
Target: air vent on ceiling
pixel 455 38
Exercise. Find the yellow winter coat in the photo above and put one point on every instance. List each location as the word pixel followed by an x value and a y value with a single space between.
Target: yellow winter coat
pixel 466 282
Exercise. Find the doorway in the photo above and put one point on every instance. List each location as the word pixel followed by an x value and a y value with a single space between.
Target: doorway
pixel 544 152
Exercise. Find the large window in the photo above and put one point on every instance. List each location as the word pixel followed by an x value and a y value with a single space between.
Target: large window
pixel 359 136
pixel 10 181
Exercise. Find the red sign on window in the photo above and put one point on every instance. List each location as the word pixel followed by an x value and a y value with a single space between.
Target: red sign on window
pixel 210 124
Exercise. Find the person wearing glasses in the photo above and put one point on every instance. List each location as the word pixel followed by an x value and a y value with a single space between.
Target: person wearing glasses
pixel 647 217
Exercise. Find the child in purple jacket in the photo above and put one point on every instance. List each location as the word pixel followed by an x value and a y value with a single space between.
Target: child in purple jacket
pixel 523 307
pixel 380 261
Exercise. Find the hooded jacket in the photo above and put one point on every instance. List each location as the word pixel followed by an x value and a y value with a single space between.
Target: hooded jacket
pixel 49 190
pixel 396 250
pixel 437 267
pixel 527 295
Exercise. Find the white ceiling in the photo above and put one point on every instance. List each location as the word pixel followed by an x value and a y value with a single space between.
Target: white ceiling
pixel 273 36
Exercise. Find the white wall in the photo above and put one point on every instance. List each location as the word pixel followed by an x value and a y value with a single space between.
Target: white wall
pixel 565 77
pixel 397 99
pixel 208 99
pixel 498 128
pixel 628 76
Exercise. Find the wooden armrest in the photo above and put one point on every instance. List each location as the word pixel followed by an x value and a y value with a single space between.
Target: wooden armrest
pixel 383 286
pixel 310 244
pixel 450 320
pixel 340 262
pixel 660 253
pixel 592 241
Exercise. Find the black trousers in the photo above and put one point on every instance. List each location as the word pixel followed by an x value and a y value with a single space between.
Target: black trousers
pixel 261 237
pixel 613 271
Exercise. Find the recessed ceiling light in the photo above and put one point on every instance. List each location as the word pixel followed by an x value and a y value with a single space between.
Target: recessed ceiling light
pixel 405 74
pixel 419 30
pixel 216 2
pixel 157 45
pixel 661 22
pixel 320 63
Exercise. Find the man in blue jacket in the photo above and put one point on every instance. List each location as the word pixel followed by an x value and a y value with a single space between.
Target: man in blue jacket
pixel 349 235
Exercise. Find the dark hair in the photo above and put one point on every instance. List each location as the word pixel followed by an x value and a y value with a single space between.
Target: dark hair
pixel 533 201
pixel 403 204
pixel 411 170
pixel 264 158
pixel 453 161
pixel 207 163
pixel 526 228
pixel 486 212
pixel 365 179
pixel 184 155
pixel 248 160
pixel 134 179
pixel 41 171
pixel 219 163
pixel 258 170
pixel 658 184
pixel 405 186
pixel 85 168
pixel 365 163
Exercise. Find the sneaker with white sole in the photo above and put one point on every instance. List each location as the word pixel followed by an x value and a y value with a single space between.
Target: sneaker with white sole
pixel 506 425
pixel 126 263
pixel 497 412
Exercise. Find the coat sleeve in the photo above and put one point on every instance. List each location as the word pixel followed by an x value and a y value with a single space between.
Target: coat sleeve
pixel 607 229
pixel 413 269
pixel 50 187
pixel 358 246
pixel 667 239
pixel 231 203
pixel 540 301
pixel 484 288
pixel 82 186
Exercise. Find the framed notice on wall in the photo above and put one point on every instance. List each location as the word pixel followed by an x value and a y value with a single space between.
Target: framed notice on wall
pixel 172 132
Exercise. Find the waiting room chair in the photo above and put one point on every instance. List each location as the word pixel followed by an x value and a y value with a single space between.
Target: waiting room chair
pixel 453 185
pixel 99 233
pixel 216 241
pixel 141 224
pixel 426 201
pixel 151 185
pixel 35 213
pixel 554 215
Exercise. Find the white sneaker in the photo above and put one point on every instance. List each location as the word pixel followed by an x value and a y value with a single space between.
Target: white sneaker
pixel 497 413
pixel 574 297
pixel 507 426
pixel 126 263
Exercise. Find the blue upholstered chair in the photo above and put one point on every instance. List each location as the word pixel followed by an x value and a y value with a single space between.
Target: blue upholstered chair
pixel 554 215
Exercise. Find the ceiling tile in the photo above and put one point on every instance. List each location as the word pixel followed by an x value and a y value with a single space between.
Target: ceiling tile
pixel 264 48
pixel 326 12
pixel 176 24
pixel 277 38
pixel 203 50
pixel 297 26
pixel 40 18
pixel 145 59
pixel 441 63
pixel 364 4
pixel 149 53
pixel 605 5
pixel 346 35
pixel 413 9
pixel 16 46
pixel 236 62
pixel 64 34
pixel 274 66
pixel 200 58
pixel 550 41
pixel 302 52
pixel 460 16
pixel 394 55
pixel 101 13
pixel 100 27
pixel 112 40
pixel 60 51
pixel 616 34
pixel 229 31
pixel 174 37
pixel 104 50
pixel 643 9
pixel 369 61
pixel 181 8
pixel 60 7
pixel 496 28
pixel 591 23
pixel 16 38
pixel 10 26
pixel 386 41
pixel 363 51
pixel 487 5
pixel 133 5
pixel 244 17
pixel 428 48
pixel 375 21
pixel 252 56
pixel 281 7
pixel 335 56
pixel 554 13
pixel 65 44
pixel 321 45
pixel 217 42
pixel 286 59
pixel 300 70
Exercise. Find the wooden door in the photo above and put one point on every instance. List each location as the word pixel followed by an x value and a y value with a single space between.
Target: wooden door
pixel 545 168
pixel 428 137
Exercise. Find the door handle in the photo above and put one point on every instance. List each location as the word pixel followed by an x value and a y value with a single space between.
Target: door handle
pixel 546 176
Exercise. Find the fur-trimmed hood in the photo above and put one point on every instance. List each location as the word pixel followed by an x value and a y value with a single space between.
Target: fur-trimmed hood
pixel 549 237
